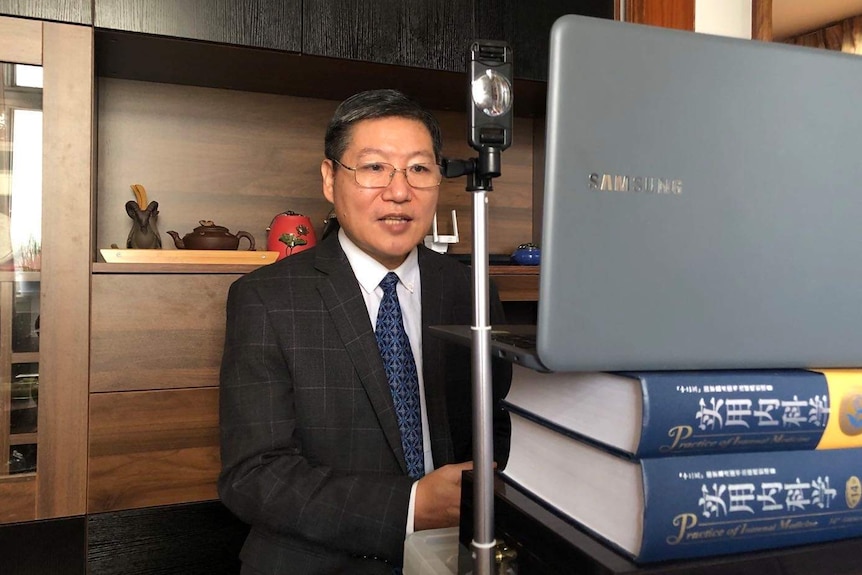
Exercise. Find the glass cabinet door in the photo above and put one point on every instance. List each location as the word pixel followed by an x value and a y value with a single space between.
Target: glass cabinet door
pixel 46 198
pixel 20 264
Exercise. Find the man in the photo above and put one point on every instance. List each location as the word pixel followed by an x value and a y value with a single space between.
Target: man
pixel 321 453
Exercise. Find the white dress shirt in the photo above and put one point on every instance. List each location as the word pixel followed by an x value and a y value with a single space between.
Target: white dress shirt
pixel 369 273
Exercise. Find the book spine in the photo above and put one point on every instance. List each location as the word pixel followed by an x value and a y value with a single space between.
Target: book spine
pixel 710 505
pixel 691 413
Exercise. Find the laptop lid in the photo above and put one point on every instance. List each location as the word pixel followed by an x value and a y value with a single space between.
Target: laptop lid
pixel 702 202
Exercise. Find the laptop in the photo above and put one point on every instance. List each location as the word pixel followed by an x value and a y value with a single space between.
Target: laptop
pixel 702 204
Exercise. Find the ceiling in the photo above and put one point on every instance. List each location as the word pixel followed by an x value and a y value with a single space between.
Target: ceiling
pixel 792 17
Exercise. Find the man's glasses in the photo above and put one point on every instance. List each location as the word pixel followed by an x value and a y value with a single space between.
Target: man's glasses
pixel 380 174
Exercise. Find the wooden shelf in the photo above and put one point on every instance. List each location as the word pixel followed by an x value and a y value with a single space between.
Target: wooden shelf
pixel 513 270
pixel 168 268
pixel 23 438
pixel 25 357
pixel 188 257
pixel 516 283
pixel 27 477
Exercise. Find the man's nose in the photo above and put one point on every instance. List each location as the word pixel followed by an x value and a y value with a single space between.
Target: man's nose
pixel 398 189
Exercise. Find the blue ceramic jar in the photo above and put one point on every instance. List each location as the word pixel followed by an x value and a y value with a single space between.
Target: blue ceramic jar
pixel 527 254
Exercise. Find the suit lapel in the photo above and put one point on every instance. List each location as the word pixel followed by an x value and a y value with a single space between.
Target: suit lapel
pixel 434 303
pixel 341 295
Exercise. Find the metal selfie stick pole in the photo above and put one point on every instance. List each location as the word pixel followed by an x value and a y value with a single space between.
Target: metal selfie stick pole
pixel 489 72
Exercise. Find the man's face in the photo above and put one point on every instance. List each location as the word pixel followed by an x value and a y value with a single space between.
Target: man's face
pixel 386 223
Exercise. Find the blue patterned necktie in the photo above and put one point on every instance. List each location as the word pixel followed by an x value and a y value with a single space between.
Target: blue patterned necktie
pixel 401 373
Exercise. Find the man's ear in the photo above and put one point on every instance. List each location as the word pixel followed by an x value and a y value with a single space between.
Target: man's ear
pixel 327 173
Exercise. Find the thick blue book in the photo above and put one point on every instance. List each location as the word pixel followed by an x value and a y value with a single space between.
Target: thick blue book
pixel 689 506
pixel 668 413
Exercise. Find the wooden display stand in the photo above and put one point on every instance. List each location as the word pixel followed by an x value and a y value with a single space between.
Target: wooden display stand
pixel 547 544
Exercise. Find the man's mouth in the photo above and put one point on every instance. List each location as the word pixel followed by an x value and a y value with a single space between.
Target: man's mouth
pixel 396 219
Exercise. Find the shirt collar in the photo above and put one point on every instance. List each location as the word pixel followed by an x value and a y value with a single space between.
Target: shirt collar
pixel 369 272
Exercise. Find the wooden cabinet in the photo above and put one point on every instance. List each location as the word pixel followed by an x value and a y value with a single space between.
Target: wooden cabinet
pixel 431 34
pixel 134 424
pixel 128 395
pixel 19 371
pixel 155 354
pixel 761 20
pixel 71 11
pixel 155 331
pixel 842 36
pixel 346 47
pixel 526 26
pixel 57 294
pixel 436 34
pixel 152 448
pixel 426 34
pixel 677 14
pixel 275 24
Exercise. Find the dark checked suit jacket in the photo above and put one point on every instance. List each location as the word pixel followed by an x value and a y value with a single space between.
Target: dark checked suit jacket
pixel 310 446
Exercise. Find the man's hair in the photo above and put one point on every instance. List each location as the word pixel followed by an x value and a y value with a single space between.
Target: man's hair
pixel 371 105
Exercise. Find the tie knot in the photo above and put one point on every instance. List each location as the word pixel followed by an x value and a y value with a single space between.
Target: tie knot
pixel 389 282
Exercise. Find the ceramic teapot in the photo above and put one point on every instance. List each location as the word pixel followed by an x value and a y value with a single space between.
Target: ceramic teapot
pixel 209 236
pixel 290 233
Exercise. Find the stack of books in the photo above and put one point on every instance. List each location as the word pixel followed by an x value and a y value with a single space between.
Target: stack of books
pixel 685 464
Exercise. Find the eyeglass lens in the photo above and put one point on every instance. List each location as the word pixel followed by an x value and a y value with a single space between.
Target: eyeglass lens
pixel 379 175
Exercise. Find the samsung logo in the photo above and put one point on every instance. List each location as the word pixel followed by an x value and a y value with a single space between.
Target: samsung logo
pixel 642 184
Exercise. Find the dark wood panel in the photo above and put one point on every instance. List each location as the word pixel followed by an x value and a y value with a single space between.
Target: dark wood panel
pixel 141 57
pixel 157 331
pixel 521 312
pixel 431 34
pixel 55 547
pixel 677 14
pixel 436 34
pixel 152 448
pixel 71 11
pixel 526 26
pixel 258 23
pixel 192 539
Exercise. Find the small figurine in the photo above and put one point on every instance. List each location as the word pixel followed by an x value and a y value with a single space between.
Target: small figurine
pixel 144 233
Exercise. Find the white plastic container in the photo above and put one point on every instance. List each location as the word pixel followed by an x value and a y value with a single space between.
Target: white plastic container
pixel 435 552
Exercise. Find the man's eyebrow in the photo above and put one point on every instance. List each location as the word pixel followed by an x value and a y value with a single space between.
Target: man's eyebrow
pixel 418 153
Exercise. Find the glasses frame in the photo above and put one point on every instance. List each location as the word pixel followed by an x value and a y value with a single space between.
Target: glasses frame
pixel 392 173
